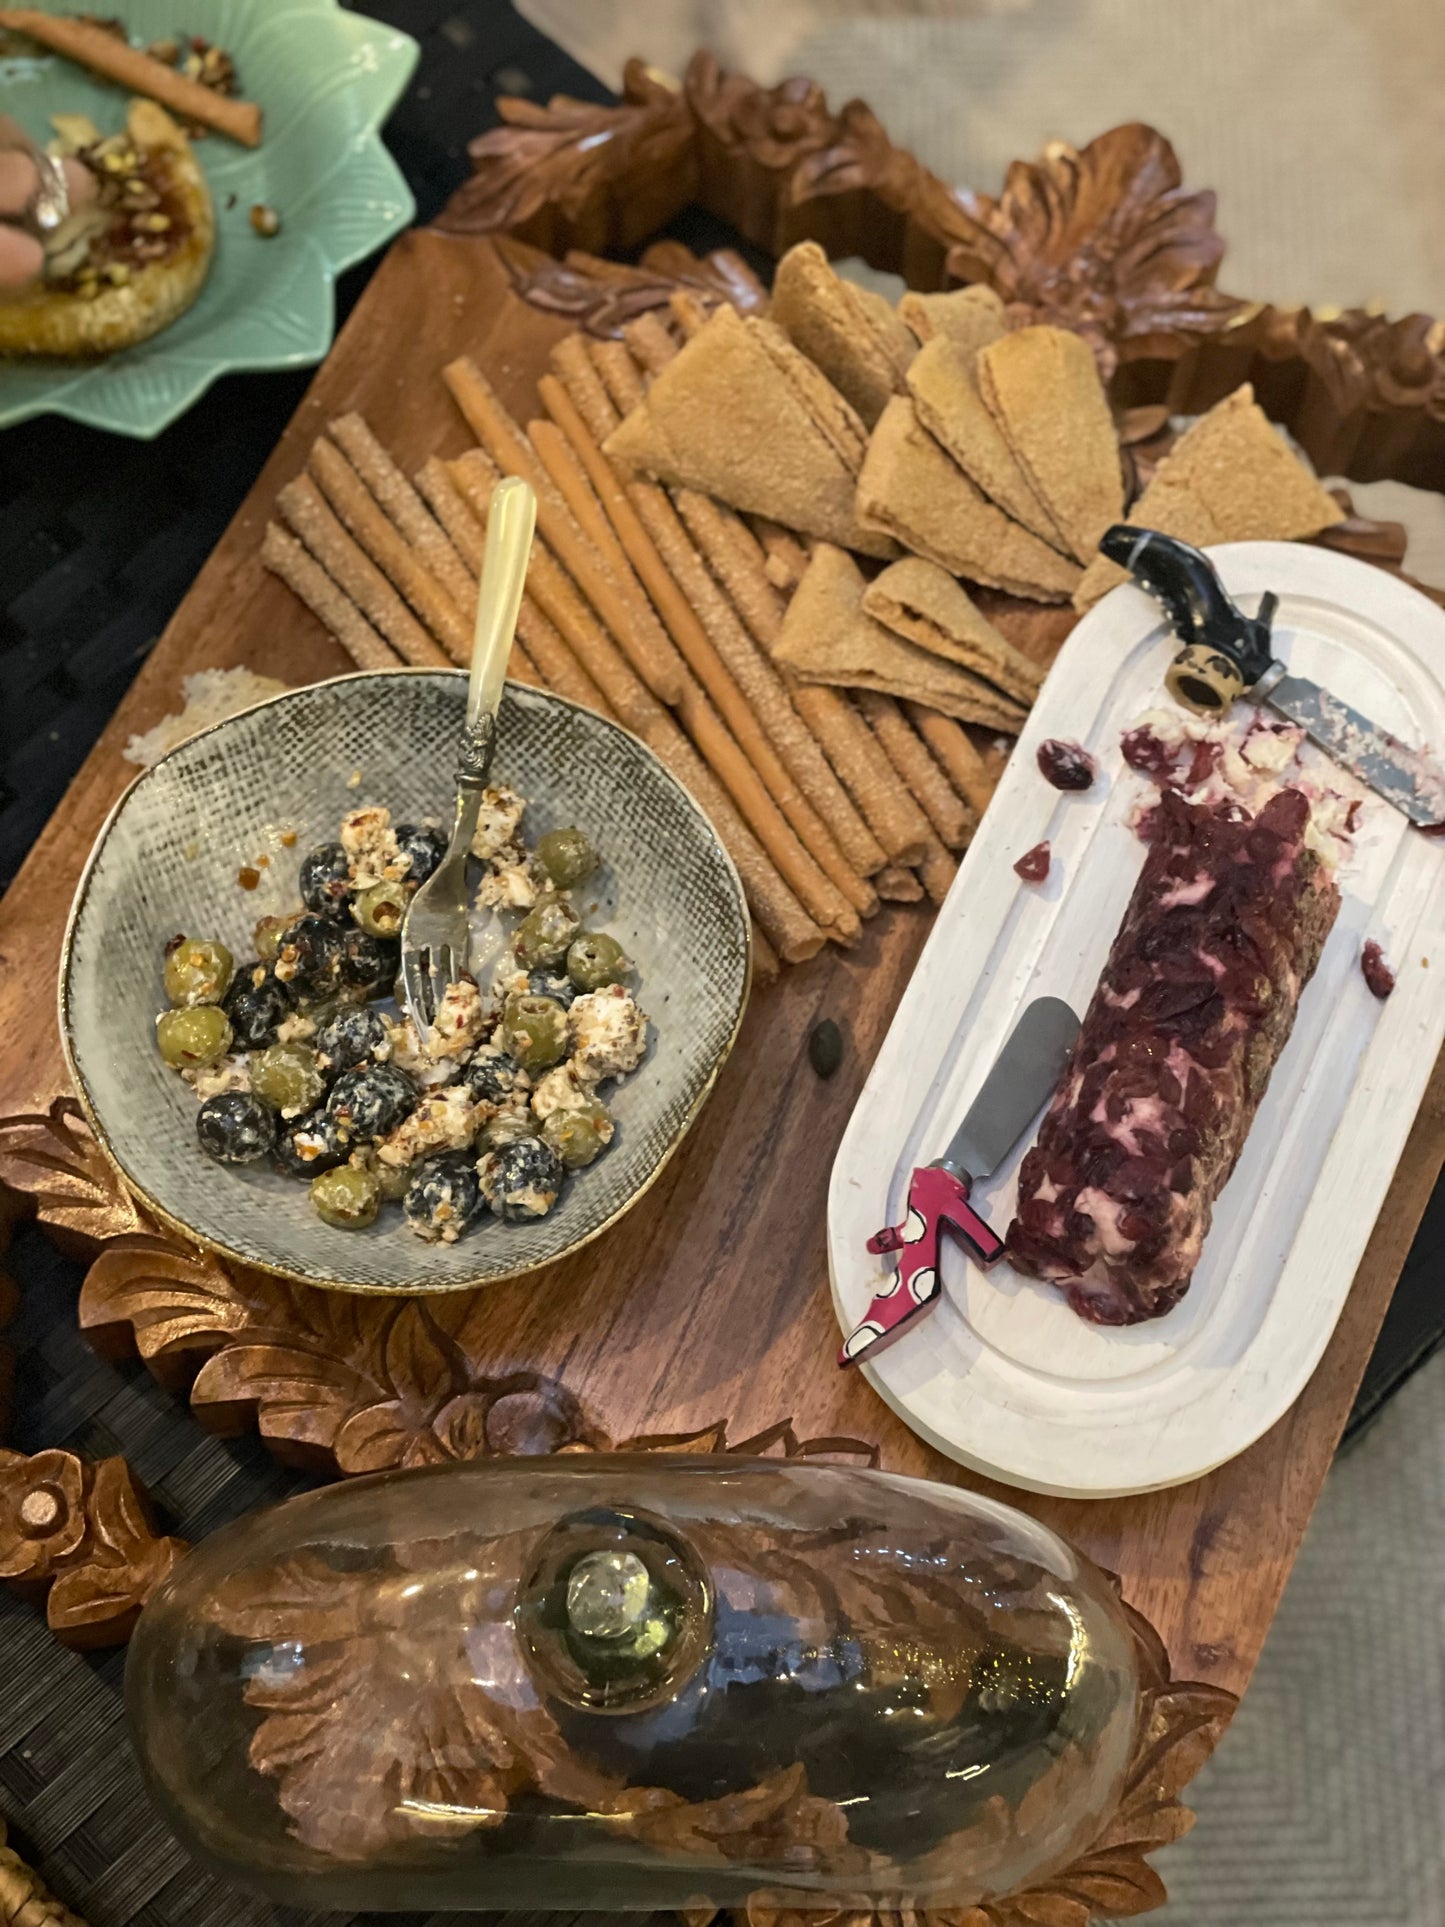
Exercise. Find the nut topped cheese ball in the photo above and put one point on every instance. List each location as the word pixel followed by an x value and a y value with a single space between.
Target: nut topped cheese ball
pixel 609 1034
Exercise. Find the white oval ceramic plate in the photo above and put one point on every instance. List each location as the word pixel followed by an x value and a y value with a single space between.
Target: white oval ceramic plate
pixel 1004 1377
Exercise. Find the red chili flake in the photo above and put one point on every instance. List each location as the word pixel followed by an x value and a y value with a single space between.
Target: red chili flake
pixel 1033 865
pixel 1376 972
pixel 1068 766
pixel 247 877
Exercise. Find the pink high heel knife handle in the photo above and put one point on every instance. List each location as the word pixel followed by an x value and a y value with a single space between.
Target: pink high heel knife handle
pixel 937 1201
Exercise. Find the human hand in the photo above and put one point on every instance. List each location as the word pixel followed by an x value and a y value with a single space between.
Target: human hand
pixel 21 255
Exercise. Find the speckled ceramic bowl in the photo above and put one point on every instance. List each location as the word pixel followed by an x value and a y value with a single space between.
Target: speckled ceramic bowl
pixel 169 859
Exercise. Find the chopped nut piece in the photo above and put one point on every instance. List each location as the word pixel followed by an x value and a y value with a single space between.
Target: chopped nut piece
pixel 265 220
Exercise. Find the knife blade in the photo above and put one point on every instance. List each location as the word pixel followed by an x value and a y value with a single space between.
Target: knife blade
pixel 1026 1071
pixel 1228 654
pixel 1021 1079
pixel 1389 767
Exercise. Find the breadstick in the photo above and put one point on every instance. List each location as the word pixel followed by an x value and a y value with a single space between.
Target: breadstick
pixel 896 884
pixel 895 819
pixel 573 367
pixel 521 668
pixel 468 534
pixel 687 311
pixel 953 747
pixel 115 59
pixel 785 560
pixel 556 455
pixel 954 821
pixel 650 342
pixel 622 606
pixel 619 374
pixel 302 506
pixel 353 502
pixel 765 959
pixel 556 664
pixel 405 507
pixel 548 585
pixel 745 688
pixel 717 532
pixel 283 555
pixel 938 869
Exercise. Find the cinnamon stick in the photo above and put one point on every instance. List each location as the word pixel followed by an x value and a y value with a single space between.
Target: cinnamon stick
pixel 284 556
pixel 304 508
pixel 115 59
pixel 405 507
pixel 353 502
pixel 952 745
pixel 954 820
pixel 622 606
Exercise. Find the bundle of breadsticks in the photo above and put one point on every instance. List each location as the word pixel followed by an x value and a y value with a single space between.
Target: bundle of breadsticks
pixel 706 488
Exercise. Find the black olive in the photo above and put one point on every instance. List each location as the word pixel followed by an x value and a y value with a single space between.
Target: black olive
pixel 825 1047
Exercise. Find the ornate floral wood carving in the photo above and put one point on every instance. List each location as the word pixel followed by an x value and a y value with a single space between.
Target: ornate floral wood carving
pixel 602 296
pixel 1104 238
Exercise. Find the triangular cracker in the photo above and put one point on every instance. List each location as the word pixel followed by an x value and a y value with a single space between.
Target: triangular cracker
pixel 851 333
pixel 944 387
pixel 969 317
pixel 1042 387
pixel 912 490
pixel 926 606
pixel 828 637
pixel 1229 478
pixel 741 415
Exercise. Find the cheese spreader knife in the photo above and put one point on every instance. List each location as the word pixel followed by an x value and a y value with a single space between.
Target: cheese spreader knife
pixel 1228 654
pixel 1022 1078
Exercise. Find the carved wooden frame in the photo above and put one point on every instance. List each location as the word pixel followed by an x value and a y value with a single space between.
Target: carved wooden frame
pixel 1107 241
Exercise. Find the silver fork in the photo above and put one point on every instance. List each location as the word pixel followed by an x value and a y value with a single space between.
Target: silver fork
pixel 436 935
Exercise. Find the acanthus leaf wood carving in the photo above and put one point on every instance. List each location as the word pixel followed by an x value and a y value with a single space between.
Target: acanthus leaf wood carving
pixel 1104 238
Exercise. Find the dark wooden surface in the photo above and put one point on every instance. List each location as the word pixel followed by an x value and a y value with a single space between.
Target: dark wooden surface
pixel 729 1298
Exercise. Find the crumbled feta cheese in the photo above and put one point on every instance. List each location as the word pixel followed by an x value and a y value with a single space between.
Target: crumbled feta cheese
pixel 512 882
pixel 609 1034
pixel 307 1145
pixel 461 1022
pixel 406 1052
pixel 226 1074
pixel 295 1029
pixel 562 1090
pixel 444 1121
pixel 371 848
pixel 498 822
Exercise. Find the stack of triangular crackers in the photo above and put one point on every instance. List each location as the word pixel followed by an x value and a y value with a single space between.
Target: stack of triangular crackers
pixel 854 335
pixel 828 636
pixel 739 413
pixel 1230 477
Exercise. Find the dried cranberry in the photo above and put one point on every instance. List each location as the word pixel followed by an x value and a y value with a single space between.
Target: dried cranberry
pixel 1068 766
pixel 1144 750
pixel 1376 972
pixel 1033 865
pixel 1201 764
pixel 1286 813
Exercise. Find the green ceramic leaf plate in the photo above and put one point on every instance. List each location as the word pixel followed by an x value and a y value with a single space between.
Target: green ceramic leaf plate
pixel 326 80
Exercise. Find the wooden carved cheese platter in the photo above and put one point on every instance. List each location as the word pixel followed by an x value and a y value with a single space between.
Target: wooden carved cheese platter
pixel 702 1321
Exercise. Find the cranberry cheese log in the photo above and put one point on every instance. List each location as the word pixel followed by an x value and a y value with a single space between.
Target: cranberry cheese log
pixel 1197 1000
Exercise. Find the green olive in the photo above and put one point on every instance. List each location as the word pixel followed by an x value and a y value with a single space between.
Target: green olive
pixel 348 1197
pixel 593 962
pixel 288 1078
pixel 267 934
pixel 544 933
pixel 578 1136
pixel 534 1031
pixel 393 1179
pixel 505 1128
pixel 194 1036
pixel 567 856
pixel 380 909
pixel 197 972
